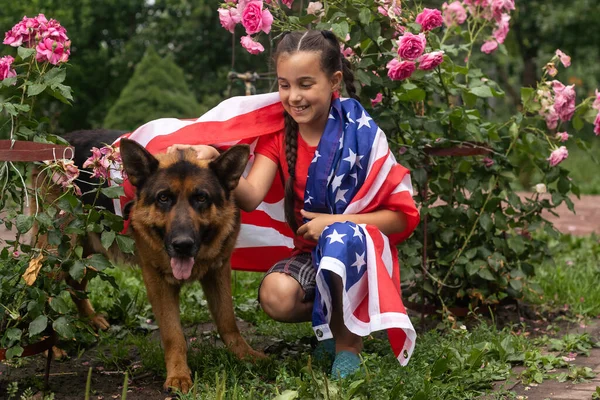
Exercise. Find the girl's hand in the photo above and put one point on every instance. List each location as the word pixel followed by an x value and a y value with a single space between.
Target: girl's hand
pixel 313 228
pixel 204 152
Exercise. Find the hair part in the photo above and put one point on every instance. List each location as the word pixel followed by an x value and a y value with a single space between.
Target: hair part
pixel 332 60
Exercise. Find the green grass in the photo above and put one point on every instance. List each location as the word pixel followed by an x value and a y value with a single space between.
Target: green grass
pixel 452 363
pixel 572 280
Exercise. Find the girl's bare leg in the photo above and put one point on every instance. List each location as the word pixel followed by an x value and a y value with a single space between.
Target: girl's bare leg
pixel 281 298
pixel 344 339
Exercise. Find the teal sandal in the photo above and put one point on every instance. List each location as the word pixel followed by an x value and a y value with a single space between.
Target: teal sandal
pixel 346 363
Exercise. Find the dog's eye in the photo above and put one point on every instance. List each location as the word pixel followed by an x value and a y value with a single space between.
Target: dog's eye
pixel 201 197
pixel 163 198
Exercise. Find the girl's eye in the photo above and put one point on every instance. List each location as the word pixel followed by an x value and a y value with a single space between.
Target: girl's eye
pixel 282 86
pixel 306 85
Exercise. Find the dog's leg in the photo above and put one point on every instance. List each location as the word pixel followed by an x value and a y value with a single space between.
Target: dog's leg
pixel 84 306
pixel 217 288
pixel 164 299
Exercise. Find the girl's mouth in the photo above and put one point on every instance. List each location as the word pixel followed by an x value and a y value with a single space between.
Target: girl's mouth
pixel 299 109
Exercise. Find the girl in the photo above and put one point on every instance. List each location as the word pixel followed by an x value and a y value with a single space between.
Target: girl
pixel 325 155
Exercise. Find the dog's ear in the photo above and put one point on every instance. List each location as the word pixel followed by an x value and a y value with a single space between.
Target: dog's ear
pixel 230 165
pixel 137 162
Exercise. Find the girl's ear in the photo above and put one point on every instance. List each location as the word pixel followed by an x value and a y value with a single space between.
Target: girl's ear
pixel 336 80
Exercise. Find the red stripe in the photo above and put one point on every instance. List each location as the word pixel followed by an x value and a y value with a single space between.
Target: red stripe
pixel 258 259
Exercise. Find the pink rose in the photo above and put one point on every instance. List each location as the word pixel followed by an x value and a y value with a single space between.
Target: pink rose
pixel 562 136
pixel 558 155
pixel 429 19
pixel 564 100
pixel 431 60
pixel 501 6
pixel 400 70
pixel 52 51
pixel 5 68
pixel 251 46
pixel 564 59
pixel 488 162
pixel 454 13
pixel 229 18
pixel 551 118
pixel 502 28
pixel 551 69
pixel 410 46
pixel 376 100
pixel 596 104
pixel 314 8
pixel 288 3
pixel 489 47
pixel 255 19
pixel 597 124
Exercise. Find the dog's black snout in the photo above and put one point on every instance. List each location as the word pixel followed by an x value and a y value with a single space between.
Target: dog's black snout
pixel 183 245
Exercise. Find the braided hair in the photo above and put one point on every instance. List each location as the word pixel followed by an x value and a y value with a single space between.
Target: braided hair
pixel 332 61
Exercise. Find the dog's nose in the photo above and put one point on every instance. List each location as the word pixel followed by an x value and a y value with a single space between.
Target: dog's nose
pixel 183 245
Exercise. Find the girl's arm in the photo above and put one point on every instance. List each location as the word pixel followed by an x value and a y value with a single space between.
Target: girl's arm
pixel 389 222
pixel 251 190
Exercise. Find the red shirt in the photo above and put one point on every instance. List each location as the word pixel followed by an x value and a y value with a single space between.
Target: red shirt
pixel 273 147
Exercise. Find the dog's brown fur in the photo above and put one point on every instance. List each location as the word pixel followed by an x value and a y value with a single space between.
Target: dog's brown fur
pixel 199 221
pixel 200 206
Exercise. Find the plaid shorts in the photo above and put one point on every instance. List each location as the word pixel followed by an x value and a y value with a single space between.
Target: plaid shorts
pixel 300 268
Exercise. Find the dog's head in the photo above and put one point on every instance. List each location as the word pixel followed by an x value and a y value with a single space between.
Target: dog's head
pixel 184 206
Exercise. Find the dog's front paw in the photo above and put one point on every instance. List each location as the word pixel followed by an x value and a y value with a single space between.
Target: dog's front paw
pixel 99 323
pixel 248 353
pixel 182 383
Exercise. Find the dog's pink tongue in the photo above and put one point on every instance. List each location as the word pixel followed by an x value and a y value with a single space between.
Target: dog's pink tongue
pixel 182 267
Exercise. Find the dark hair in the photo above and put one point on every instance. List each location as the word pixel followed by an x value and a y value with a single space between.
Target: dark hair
pixel 332 61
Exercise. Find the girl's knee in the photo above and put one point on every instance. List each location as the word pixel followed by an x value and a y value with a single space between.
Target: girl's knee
pixel 279 295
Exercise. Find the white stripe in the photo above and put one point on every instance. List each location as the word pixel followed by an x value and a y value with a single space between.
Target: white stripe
pixel 405 185
pixel 273 210
pixel 237 106
pixel 357 206
pixel 259 236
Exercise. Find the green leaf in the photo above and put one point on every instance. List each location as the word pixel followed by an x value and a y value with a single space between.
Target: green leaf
pixel 14 351
pixel 107 238
pixel 44 219
pixel 364 16
pixel 59 305
pixel 486 222
pixel 126 244
pixel 35 89
pixel 99 262
pixel 55 76
pixel 113 192
pixel 77 270
pixel 486 274
pixel 24 223
pixel 472 268
pixel 482 91
pixel 63 328
pixel 38 325
pixel 516 284
pixel 373 30
pixel 25 52
pixel 14 334
pixel 363 77
pixel 287 395
pixel 341 29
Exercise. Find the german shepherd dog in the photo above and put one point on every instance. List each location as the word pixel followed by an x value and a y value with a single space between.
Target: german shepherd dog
pixel 185 223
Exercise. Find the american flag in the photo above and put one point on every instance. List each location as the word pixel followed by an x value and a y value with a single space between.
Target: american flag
pixel 353 171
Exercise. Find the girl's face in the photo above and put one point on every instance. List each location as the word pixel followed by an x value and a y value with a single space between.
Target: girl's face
pixel 305 89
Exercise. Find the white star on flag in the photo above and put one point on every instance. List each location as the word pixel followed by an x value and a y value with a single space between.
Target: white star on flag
pixel 341 141
pixel 331 116
pixel 357 232
pixel 317 155
pixel 355 176
pixel 337 181
pixel 351 158
pixel 350 121
pixel 340 195
pixel 336 237
pixel 360 261
pixel 308 200
pixel 364 121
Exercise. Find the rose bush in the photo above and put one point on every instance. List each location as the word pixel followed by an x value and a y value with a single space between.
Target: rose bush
pixel 34 301
pixel 474 245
